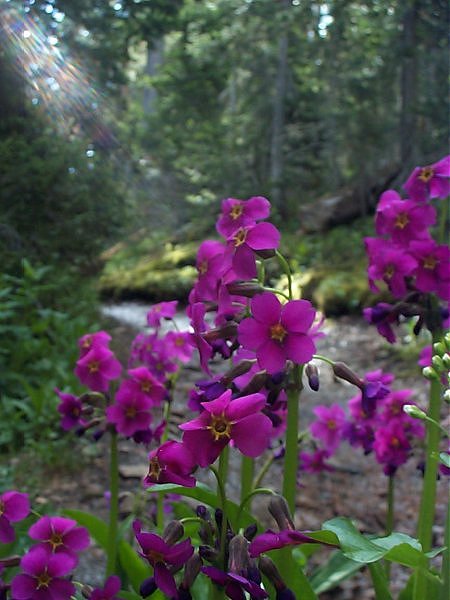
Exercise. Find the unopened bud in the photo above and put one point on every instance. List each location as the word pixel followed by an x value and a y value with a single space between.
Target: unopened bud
pixel 238 554
pixel 439 348
pixel 446 360
pixel 148 587
pixel 244 288
pixel 447 395
pixel 312 373
pixel 10 561
pixel 268 568
pixel 343 371
pixel 256 383
pixel 250 531
pixel 430 373
pixel 208 553
pixel 86 591
pixel 173 532
pixel 241 368
pixel 227 331
pixel 447 341
pixel 285 594
pixel 191 570
pixel 438 363
pixel 279 510
pixel 414 411
pixel 203 512
pixel 269 253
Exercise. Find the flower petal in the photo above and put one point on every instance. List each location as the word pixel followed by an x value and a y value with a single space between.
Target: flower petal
pixel 271 356
pixel 299 348
pixel 252 434
pixel 266 308
pixel 297 316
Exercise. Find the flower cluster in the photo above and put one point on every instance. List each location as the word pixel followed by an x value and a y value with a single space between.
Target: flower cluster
pixel 406 257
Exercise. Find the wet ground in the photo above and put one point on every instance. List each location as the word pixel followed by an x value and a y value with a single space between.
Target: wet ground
pixel 356 488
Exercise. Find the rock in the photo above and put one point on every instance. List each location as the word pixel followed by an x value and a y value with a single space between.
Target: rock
pixel 136 471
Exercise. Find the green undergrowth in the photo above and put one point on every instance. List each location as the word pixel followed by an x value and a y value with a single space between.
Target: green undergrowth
pixel 329 268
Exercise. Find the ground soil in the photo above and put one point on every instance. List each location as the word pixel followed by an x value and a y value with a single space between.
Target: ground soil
pixel 356 488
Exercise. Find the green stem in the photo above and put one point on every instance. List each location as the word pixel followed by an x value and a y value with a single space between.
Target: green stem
pixel 160 496
pixel 111 550
pixel 287 269
pixel 390 516
pixel 266 466
pixel 380 582
pixel 275 291
pixel 445 592
pixel 428 498
pixel 247 468
pixel 291 454
pixel 221 477
pixel 324 359
pixel 254 492
pixel 443 216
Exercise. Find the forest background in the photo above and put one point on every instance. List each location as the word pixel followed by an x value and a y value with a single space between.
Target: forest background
pixel 123 124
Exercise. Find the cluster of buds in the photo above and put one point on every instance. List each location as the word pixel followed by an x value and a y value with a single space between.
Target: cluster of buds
pixel 440 364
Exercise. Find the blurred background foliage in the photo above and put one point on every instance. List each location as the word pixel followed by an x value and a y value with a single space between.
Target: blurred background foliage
pixel 124 122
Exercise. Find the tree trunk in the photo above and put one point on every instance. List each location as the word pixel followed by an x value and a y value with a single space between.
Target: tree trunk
pixel 154 59
pixel 408 85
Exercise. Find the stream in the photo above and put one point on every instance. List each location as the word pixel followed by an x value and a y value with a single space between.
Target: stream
pixel 134 314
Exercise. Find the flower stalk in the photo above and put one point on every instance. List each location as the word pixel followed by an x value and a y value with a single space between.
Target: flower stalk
pixel 111 553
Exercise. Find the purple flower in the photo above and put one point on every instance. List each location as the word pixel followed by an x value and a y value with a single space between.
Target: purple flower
pixel 278 332
pixel 163 557
pixel 234 584
pixel 179 346
pixel 383 317
pixel 148 384
pixel 392 447
pixel 211 266
pixel 270 540
pixel 315 462
pixel 97 368
pixel 60 535
pixel 240 213
pixel 433 267
pixel 93 340
pixel 70 408
pixel 42 576
pixel 375 387
pixel 429 182
pixel 244 241
pixel 172 462
pixel 131 411
pixel 197 340
pixel 403 220
pixel 163 310
pixel 109 591
pixel 390 263
pixel 14 506
pixel 329 425
pixel 224 420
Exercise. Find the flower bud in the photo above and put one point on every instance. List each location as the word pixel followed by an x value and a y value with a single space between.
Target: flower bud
pixel 191 570
pixel 446 361
pixel 173 532
pixel 250 531
pixel 241 368
pixel 227 331
pixel 10 561
pixel 439 348
pixel 244 288
pixel 438 363
pixel 285 594
pixel 447 341
pixel 86 591
pixel 208 553
pixel 238 555
pixel 447 395
pixel 268 568
pixel 429 373
pixel 414 411
pixel 256 383
pixel 203 513
pixel 312 373
pixel 279 510
pixel 268 253
pixel 342 371
pixel 148 586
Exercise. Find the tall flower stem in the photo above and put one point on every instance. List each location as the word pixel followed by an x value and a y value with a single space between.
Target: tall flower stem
pixel 160 496
pixel 390 515
pixel 247 469
pixel 291 453
pixel 221 477
pixel 111 552
pixel 445 592
pixel 428 498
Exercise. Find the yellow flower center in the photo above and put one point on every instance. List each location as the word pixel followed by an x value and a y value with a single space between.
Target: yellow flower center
pixel 56 540
pixel 43 580
pixel 94 366
pixel 179 342
pixel 389 271
pixel 131 412
pixel 236 211
pixel 402 220
pixel 278 332
pixel 240 236
pixel 155 557
pixel 331 424
pixel 220 427
pixel 87 342
pixel 426 174
pixel 154 469
pixel 146 386
pixel 430 262
pixel 2 507
pixel 203 267
pixel 395 442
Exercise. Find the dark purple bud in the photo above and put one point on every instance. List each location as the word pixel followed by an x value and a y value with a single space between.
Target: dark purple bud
pixel 268 253
pixel 278 378
pixel 253 573
pixel 148 586
pixel 173 532
pixel 256 383
pixel 244 288
pixel 279 510
pixel 268 568
pixel 342 371
pixel 98 434
pixel 229 330
pixel 183 594
pixel 203 512
pixel 312 373
pixel 10 561
pixel 191 570
pixel 250 532
pixel 238 555
pixel 218 517
pixel 240 369
pixel 208 553
pixel 285 594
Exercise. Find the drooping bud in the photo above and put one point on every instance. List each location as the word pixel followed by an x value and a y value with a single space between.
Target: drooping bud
pixel 268 568
pixel 414 411
pixel 208 553
pixel 268 253
pixel 312 373
pixel 343 371
pixel 10 561
pixel 250 531
pixel 279 510
pixel 238 555
pixel 244 288
pixel 148 586
pixel 86 591
pixel 191 570
pixel 173 532
pixel 227 331
pixel 241 368
pixel 256 383
pixel 439 348
pixel 203 512
pixel 446 360
pixel 430 373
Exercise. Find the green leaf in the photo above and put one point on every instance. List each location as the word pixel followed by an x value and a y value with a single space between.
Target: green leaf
pixel 337 569
pixel 444 457
pixel 97 528
pixel 205 495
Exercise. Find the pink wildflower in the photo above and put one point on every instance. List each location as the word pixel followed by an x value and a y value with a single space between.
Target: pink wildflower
pixel 390 263
pixel 171 463
pixel 179 346
pixel 432 181
pixel 163 310
pixel 70 408
pixel 433 267
pixel 14 506
pixel 97 368
pixel 245 241
pixel 93 340
pixel 60 535
pixel 109 591
pixel 148 384
pixel 403 220
pixel 329 425
pixel 240 213
pixel 131 411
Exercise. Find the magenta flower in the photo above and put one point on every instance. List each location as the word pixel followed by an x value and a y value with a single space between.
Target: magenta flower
pixel 163 557
pixel 179 346
pixel 93 340
pixel 315 462
pixel 131 411
pixel 403 220
pixel 240 213
pixel 429 182
pixel 392 447
pixel 60 535
pixel 148 384
pixel 245 241
pixel 199 326
pixel 171 463
pixel 109 591
pixel 375 387
pixel 224 420
pixel 390 263
pixel 211 266
pixel 163 310
pixel 234 584
pixel 70 408
pixel 97 368
pixel 433 267
pixel 14 506
pixel 329 425
pixel 278 332
pixel 270 540
pixel 42 577
pixel 383 316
